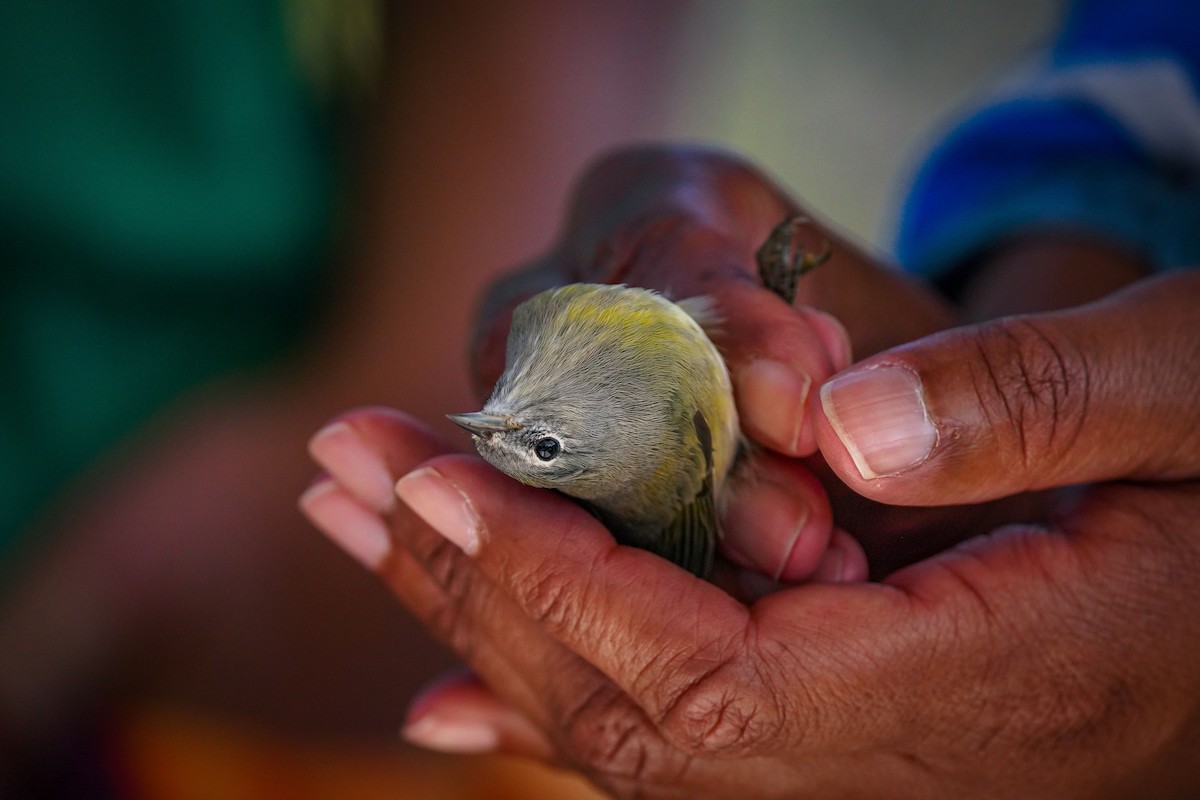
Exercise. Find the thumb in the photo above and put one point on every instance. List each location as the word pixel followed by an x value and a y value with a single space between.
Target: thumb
pixel 1099 392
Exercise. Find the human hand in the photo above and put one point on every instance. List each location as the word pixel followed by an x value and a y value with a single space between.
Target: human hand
pixel 1049 661
pixel 688 222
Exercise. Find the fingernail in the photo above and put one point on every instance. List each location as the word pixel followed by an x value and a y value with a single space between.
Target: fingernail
pixel 440 503
pixel 771 397
pixel 452 735
pixel 832 568
pixel 342 452
pixel 764 525
pixel 347 523
pixel 793 538
pixel 844 561
pixel 879 414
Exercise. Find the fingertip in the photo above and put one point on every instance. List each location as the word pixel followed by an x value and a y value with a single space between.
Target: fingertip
pixel 342 451
pixel 444 505
pixel 458 713
pixel 843 562
pixel 775 394
pixel 833 336
pixel 881 418
pixel 772 398
pixel 365 448
pixel 777 520
pixel 355 528
pixel 464 499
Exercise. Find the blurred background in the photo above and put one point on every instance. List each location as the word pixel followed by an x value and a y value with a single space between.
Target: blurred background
pixel 223 222
pixel 840 98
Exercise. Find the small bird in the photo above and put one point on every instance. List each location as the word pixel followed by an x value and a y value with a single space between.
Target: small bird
pixel 616 396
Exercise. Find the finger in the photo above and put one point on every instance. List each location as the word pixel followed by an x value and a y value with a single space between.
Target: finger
pixel 652 628
pixel 844 561
pixel 776 518
pixel 347 521
pixel 458 713
pixel 776 356
pixel 1101 392
pixel 365 450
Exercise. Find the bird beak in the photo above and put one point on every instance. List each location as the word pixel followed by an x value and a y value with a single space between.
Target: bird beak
pixel 480 423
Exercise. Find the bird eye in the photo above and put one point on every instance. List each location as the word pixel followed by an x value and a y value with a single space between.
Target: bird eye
pixel 547 448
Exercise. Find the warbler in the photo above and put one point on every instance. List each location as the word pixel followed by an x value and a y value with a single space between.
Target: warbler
pixel 616 396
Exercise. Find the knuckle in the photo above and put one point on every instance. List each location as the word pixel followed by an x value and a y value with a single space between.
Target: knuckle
pixel 1034 386
pixel 549 596
pixel 615 744
pixel 724 712
pixel 449 568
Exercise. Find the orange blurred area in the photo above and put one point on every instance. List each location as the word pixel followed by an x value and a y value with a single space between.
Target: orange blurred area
pixel 168 754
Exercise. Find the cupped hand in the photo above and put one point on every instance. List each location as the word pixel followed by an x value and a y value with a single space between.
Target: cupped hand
pixel 688 222
pixel 1053 661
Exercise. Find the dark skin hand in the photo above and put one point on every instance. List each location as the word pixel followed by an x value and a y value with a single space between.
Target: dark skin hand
pixel 688 222
pixel 1050 659
pixel 1035 273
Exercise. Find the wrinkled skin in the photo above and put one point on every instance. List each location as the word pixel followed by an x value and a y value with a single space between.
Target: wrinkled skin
pixel 1056 658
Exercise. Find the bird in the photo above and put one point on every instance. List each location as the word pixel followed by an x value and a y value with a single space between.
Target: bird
pixel 616 396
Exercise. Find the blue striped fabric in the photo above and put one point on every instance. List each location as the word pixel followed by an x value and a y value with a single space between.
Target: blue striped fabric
pixel 1100 135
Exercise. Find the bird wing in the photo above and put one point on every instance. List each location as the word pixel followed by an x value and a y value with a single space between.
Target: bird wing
pixel 690 539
